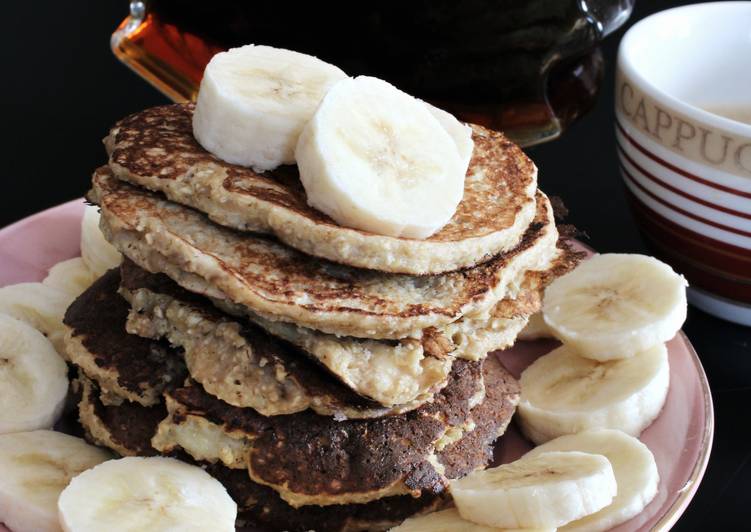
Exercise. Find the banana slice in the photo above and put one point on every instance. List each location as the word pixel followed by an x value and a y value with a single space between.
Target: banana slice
pixel 535 329
pixel 98 254
pixel 33 378
pixel 375 158
pixel 616 305
pixel 461 134
pixel 146 494
pixel 39 305
pixel 36 467
pixel 71 276
pixel 563 393
pixel 255 100
pixel 546 490
pixel 450 521
pixel 635 472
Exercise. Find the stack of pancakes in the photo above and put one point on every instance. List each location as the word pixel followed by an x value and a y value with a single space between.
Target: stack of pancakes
pixel 332 379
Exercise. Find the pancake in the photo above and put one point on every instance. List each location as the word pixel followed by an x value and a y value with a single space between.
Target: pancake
pixel 261 509
pixel 124 365
pixel 245 366
pixel 125 427
pixel 275 377
pixel 280 284
pixel 155 149
pixel 399 375
pixel 128 428
pixel 312 460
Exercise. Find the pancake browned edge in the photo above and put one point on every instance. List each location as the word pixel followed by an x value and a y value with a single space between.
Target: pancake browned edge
pixel 128 429
pixel 155 148
pixel 125 366
pixel 312 459
pixel 278 283
pixel 238 361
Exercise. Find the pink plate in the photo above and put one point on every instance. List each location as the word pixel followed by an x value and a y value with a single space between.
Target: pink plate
pixel 680 438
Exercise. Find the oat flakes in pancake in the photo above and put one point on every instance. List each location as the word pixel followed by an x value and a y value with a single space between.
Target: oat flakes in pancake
pixel 128 428
pixel 244 366
pixel 277 379
pixel 311 460
pixel 397 374
pixel 155 149
pixel 281 284
pixel 124 365
pixel 474 336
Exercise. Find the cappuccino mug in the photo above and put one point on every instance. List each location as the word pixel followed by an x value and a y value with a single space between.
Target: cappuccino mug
pixel 683 132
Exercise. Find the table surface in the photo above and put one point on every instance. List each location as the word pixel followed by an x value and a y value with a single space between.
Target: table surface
pixel 62 89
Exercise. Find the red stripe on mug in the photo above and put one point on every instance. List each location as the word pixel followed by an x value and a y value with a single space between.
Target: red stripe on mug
pixel 677 209
pixel 677 190
pixel 676 169
pixel 698 277
pixel 689 246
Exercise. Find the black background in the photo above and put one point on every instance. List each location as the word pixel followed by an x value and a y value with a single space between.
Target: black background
pixel 61 89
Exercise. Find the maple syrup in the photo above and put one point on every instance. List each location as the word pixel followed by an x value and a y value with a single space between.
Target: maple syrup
pixel 528 67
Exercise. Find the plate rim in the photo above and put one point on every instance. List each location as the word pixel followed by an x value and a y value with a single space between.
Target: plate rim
pixel 31 217
pixel 676 510
pixel 671 515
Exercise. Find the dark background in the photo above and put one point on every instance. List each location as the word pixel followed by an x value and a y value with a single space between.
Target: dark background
pixel 62 89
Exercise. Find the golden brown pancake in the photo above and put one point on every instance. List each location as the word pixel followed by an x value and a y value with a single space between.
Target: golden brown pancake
pixel 155 149
pixel 243 364
pixel 281 284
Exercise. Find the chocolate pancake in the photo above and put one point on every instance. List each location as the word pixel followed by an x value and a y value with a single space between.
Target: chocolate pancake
pixel 490 419
pixel 128 428
pixel 261 509
pixel 123 365
pixel 309 459
pixel 155 149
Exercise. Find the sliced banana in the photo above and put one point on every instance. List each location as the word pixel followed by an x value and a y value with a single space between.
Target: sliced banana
pixel 535 329
pixel 461 134
pixel 36 466
pixel 546 490
pixel 634 468
pixel 146 494
pixel 41 306
pixel 450 521
pixel 564 393
pixel 616 305
pixel 255 100
pixel 33 378
pixel 98 254
pixel 71 276
pixel 377 159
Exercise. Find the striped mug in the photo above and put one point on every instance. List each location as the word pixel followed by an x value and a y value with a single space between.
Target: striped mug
pixel 683 132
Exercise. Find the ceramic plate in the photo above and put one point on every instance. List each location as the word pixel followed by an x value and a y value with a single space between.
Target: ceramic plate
pixel 680 438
